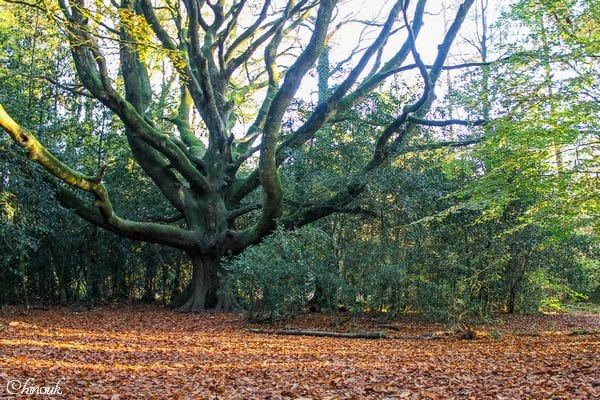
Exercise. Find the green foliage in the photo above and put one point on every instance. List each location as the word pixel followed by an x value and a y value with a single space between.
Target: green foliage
pixel 385 288
pixel 282 275
pixel 544 150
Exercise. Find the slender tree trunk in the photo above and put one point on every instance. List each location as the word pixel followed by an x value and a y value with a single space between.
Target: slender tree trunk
pixel 59 275
pixel 176 285
pixel 23 273
pixel 512 297
pixel 549 90
pixel 90 278
pixel 519 266
pixel 203 291
pixel 164 283
pixel 149 275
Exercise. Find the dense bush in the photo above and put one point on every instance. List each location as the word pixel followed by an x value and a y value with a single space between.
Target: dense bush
pixel 285 274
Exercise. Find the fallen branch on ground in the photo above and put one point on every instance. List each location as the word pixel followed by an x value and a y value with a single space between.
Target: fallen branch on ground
pixel 393 327
pixel 575 332
pixel 342 321
pixel 297 332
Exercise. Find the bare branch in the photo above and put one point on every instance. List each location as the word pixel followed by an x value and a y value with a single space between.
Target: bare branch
pixel 448 122
pixel 238 212
pixel 438 145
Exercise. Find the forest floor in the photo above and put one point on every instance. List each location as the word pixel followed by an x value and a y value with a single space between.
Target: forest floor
pixel 151 353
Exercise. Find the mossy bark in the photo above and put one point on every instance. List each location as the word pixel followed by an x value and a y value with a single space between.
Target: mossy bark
pixel 204 291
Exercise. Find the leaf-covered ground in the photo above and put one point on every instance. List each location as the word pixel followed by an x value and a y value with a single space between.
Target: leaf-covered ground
pixel 153 353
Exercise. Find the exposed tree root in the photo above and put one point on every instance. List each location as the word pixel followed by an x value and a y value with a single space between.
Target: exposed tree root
pixel 225 302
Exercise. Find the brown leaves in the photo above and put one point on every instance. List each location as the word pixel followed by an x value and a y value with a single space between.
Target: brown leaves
pixel 151 353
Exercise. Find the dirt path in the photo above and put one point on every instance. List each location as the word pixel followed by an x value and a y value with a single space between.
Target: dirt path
pixel 152 353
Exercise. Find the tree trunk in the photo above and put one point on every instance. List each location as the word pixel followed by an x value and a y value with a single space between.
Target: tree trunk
pixel 512 297
pixel 520 265
pixel 203 291
pixel 90 276
pixel 149 275
pixel 59 276
pixel 23 273
pixel 164 272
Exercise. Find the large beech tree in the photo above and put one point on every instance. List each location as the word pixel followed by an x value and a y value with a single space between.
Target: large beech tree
pixel 202 162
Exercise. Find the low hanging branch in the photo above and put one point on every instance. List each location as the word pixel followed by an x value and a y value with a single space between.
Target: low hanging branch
pixel 308 332
pixel 38 153
pixel 102 212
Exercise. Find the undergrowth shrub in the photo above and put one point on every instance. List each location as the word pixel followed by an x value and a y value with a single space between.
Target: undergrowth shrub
pixel 286 272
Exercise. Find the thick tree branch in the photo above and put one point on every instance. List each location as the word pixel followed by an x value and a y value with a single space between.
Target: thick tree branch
pixel 102 212
pixel 336 103
pixel 274 75
pixel 273 194
pixel 238 212
pixel 380 148
pixel 267 162
pixel 450 144
pixel 167 220
pixel 213 108
pixel 400 124
pixel 91 68
pixel 177 53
